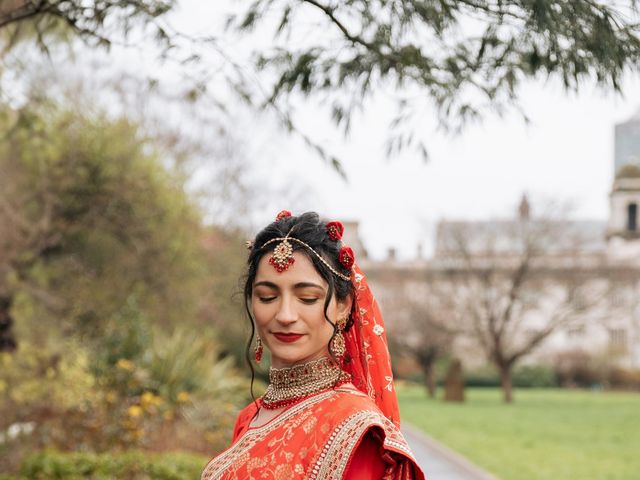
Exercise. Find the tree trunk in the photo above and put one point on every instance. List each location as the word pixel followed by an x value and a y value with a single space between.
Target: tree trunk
pixel 454 383
pixel 430 380
pixel 7 339
pixel 506 383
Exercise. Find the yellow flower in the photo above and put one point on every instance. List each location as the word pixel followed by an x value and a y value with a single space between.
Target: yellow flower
pixel 134 411
pixel 183 397
pixel 125 364
pixel 148 399
pixel 111 396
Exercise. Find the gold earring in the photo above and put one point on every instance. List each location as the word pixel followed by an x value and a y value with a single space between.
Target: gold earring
pixel 337 345
pixel 258 349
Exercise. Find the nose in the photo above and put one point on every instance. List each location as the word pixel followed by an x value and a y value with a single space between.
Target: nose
pixel 287 313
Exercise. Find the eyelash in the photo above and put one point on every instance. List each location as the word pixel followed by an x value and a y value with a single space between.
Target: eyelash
pixel 306 301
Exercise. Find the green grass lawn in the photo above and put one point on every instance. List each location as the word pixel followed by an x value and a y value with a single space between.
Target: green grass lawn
pixel 544 434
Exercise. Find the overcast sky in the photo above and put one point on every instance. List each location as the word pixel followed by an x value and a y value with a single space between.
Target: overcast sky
pixel 566 153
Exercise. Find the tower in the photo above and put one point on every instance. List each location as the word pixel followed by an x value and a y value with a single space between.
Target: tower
pixel 623 231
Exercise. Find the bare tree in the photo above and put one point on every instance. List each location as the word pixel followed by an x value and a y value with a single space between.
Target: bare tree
pixel 513 283
pixel 416 329
pixel 429 342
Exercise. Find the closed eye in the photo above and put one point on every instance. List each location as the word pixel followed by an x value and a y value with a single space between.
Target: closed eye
pixel 309 301
pixel 266 299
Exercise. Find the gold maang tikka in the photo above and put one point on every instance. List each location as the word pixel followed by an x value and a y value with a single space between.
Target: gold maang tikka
pixel 282 256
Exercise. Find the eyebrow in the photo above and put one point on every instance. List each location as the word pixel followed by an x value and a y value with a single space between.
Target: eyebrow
pixel 298 285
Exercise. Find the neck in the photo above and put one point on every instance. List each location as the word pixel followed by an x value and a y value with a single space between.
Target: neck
pixel 279 363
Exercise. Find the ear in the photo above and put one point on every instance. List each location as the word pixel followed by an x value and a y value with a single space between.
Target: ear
pixel 344 306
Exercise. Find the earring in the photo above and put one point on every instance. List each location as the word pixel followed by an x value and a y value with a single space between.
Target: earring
pixel 337 346
pixel 258 349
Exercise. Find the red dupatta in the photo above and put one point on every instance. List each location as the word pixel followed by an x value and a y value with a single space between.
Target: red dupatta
pixel 368 360
pixel 313 440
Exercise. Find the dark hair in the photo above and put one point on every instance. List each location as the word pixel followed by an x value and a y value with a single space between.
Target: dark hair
pixel 309 229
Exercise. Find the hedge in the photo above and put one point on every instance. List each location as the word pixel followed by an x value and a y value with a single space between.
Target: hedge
pixel 525 376
pixel 131 465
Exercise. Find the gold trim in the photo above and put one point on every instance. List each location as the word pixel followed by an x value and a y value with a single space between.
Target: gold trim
pixel 219 464
pixel 332 462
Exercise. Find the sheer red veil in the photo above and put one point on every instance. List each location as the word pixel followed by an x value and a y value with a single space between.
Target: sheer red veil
pixel 367 358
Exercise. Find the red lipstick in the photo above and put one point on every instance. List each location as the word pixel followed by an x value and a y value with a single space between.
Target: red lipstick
pixel 288 337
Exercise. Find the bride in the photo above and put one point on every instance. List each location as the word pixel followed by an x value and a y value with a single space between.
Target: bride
pixel 330 410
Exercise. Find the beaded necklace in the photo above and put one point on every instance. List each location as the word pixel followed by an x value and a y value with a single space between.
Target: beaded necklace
pixel 290 385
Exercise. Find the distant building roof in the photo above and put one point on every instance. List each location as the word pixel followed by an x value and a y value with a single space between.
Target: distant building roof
pixel 482 237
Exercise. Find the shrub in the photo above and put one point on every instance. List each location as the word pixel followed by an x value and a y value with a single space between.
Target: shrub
pixel 534 376
pixel 482 377
pixel 526 376
pixel 132 465
pixel 576 368
pixel 175 393
pixel 624 379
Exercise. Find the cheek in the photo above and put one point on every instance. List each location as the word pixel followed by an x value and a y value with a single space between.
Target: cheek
pixel 260 312
pixel 324 328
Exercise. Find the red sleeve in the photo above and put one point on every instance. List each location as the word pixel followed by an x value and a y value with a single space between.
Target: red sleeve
pixel 366 463
pixel 243 420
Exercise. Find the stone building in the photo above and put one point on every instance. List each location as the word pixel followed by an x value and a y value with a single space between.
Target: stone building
pixel 589 268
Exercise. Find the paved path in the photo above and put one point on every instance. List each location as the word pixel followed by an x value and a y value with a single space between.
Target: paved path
pixel 438 462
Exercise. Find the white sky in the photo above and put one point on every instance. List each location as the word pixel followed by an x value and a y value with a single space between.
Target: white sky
pixel 566 153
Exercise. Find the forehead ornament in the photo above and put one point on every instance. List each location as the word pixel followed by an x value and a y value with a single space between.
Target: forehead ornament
pixel 282 256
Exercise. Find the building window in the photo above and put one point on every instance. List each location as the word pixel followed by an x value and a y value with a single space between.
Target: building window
pixel 632 217
pixel 618 339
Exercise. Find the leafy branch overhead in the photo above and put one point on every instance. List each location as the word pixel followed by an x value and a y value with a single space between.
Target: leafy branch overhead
pixel 99 22
pixel 460 58
pixel 445 50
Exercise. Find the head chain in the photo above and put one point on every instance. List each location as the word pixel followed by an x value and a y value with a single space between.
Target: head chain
pixel 287 238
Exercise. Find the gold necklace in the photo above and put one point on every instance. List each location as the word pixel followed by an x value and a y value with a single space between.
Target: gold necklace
pixel 290 385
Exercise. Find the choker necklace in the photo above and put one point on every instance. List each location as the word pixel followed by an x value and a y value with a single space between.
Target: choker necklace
pixel 290 385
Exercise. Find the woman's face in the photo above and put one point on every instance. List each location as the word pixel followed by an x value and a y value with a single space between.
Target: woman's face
pixel 288 309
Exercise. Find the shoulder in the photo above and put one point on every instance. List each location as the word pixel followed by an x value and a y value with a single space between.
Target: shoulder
pixel 361 430
pixel 250 410
pixel 353 413
pixel 364 417
pixel 244 419
pixel 350 401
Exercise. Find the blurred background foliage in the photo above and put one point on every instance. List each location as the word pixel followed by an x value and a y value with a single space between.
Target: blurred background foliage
pixel 114 293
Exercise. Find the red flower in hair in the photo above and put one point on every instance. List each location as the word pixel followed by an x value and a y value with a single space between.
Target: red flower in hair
pixel 283 214
pixel 335 229
pixel 346 257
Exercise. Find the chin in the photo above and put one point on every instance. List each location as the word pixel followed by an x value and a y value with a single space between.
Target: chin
pixel 289 359
pixel 293 357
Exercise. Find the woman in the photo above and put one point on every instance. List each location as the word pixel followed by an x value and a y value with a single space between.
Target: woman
pixel 330 410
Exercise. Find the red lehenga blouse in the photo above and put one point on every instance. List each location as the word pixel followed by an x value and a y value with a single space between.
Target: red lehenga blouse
pixel 337 434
